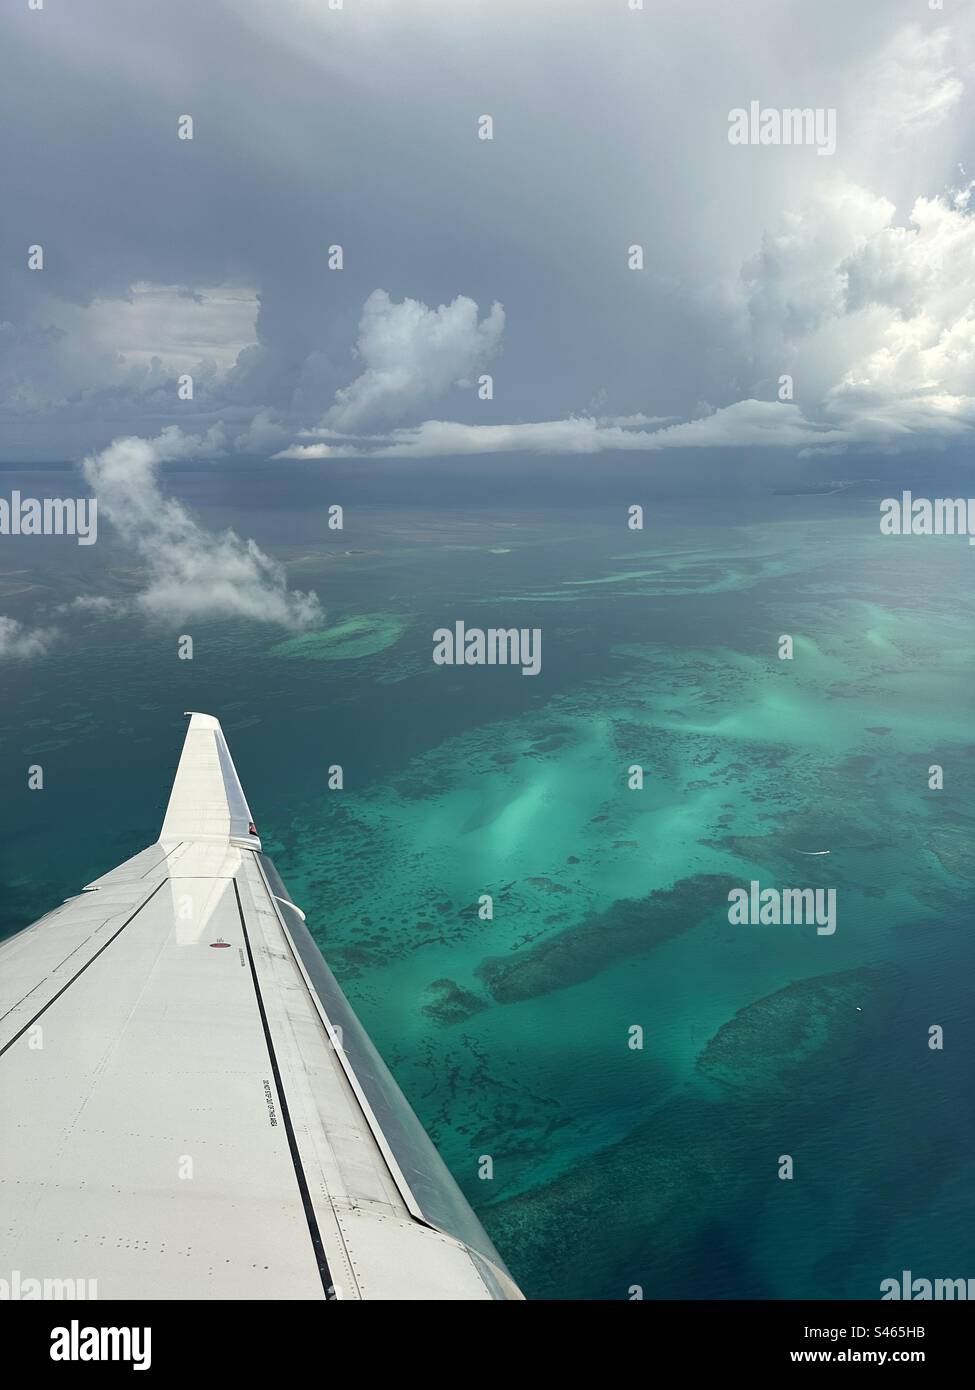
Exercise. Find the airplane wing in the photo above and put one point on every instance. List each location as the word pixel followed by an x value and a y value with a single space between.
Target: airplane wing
pixel 191 1109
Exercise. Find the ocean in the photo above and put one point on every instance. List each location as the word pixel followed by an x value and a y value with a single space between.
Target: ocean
pixel 541 951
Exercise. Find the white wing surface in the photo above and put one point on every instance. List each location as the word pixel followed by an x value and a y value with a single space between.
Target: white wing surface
pixel 191 1110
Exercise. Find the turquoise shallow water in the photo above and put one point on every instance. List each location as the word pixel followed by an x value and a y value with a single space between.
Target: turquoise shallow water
pixel 613 1167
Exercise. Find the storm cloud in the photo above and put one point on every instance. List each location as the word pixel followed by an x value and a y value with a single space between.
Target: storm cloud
pixel 213 258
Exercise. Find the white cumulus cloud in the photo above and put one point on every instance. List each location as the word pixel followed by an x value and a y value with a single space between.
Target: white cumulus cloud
pixel 412 355
pixel 871 313
pixel 874 318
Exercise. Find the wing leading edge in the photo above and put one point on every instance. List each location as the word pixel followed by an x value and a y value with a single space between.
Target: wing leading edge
pixel 193 1108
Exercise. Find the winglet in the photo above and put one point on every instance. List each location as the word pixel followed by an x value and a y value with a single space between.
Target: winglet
pixel 201 721
pixel 207 801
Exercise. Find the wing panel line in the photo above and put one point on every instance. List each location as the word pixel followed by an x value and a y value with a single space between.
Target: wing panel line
pixel 30 1022
pixel 313 1230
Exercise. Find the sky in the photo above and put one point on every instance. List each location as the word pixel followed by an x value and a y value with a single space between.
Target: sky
pixel 475 235
pixel 852 271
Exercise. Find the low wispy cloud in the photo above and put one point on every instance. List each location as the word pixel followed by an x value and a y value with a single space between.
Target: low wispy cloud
pixel 913 87
pixel 99 604
pixel 18 641
pixel 746 424
pixel 191 572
